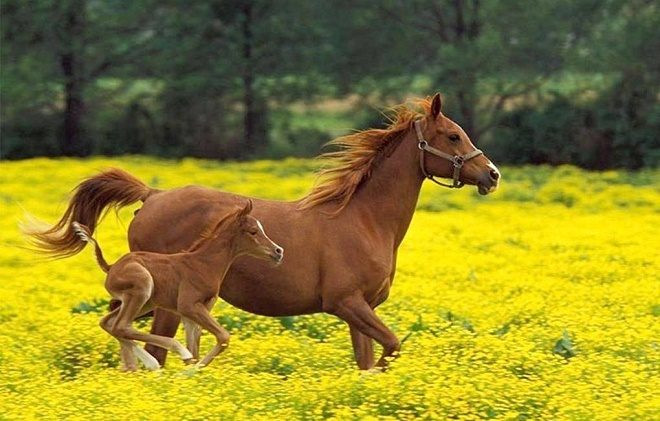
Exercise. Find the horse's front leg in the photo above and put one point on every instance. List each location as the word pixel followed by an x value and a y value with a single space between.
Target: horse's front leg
pixel 356 312
pixel 363 348
pixel 198 312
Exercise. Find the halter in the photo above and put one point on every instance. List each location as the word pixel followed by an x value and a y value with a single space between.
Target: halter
pixel 457 160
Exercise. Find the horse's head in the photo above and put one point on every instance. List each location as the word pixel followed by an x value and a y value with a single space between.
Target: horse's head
pixel 250 236
pixel 446 151
pixel 243 234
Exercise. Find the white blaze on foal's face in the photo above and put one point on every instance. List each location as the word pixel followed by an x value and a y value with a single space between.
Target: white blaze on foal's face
pixel 255 242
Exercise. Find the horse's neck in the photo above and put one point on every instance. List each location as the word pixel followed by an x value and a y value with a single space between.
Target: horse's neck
pixel 214 256
pixel 390 195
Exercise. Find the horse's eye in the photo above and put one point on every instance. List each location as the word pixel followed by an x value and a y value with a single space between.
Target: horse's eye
pixel 253 232
pixel 454 137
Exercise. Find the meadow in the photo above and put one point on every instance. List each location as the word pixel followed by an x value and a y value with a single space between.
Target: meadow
pixel 540 301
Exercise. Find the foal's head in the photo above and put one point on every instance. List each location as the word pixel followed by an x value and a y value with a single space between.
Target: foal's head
pixel 245 235
pixel 445 135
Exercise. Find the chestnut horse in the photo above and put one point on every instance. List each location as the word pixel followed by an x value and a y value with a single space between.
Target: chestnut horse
pixel 341 239
pixel 186 283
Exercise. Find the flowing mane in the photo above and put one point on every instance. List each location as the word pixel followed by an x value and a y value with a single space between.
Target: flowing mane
pixel 359 153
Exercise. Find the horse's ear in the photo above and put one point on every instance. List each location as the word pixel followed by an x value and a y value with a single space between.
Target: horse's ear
pixel 246 210
pixel 436 105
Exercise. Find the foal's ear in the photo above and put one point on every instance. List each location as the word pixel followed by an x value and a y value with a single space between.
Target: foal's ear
pixel 436 105
pixel 246 210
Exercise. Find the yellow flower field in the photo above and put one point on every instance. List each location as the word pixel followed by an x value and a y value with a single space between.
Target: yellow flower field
pixel 541 301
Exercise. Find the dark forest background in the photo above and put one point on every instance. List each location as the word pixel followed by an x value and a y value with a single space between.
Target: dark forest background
pixel 543 81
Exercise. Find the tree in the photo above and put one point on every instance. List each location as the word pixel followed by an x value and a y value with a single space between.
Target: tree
pixel 233 60
pixel 79 42
pixel 482 54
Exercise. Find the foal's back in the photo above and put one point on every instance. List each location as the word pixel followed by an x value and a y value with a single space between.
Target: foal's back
pixel 162 274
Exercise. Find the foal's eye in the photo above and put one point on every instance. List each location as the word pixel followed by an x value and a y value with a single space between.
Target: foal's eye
pixel 454 137
pixel 253 232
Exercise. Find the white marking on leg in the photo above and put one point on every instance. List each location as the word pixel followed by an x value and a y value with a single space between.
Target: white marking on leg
pixel 192 333
pixel 146 358
pixel 182 351
pixel 185 354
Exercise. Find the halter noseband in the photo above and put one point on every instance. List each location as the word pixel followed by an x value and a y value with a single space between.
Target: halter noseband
pixel 457 160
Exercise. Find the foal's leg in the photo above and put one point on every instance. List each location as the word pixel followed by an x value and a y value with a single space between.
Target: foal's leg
pixel 193 333
pixel 165 323
pixel 356 312
pixel 132 303
pixel 128 358
pixel 199 313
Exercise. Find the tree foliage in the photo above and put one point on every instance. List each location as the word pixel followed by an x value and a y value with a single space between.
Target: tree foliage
pixel 553 81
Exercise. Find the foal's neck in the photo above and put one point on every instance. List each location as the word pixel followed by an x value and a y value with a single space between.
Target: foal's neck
pixel 389 196
pixel 215 255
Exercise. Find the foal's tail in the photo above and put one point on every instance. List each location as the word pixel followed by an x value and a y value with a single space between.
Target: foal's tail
pixel 112 188
pixel 86 235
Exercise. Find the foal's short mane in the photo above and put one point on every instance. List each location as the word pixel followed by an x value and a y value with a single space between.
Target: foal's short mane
pixel 210 232
pixel 359 153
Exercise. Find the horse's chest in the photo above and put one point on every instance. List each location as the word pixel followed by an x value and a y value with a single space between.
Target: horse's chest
pixel 379 292
pixel 378 281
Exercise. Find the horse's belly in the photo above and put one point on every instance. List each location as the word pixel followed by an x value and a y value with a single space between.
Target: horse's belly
pixel 268 297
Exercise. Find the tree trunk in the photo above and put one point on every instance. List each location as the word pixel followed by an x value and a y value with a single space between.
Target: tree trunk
pixel 466 94
pixel 72 142
pixel 253 142
pixel 466 103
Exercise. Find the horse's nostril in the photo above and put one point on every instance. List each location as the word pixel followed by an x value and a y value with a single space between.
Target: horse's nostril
pixel 494 175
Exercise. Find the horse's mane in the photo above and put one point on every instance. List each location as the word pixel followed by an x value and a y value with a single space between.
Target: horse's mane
pixel 359 153
pixel 210 232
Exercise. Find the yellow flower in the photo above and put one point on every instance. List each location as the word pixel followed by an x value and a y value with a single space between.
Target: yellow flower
pixel 486 287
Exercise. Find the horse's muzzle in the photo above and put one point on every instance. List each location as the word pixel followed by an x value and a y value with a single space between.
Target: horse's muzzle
pixel 277 255
pixel 489 180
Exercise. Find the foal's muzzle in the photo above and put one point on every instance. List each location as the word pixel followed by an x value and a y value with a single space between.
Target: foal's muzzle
pixel 277 255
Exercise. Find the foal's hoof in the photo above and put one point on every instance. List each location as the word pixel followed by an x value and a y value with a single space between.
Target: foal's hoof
pixel 189 361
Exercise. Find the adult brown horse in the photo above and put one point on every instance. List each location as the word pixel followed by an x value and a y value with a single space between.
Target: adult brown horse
pixel 341 239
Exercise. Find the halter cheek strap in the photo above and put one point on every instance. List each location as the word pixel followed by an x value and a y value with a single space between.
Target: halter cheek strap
pixel 456 160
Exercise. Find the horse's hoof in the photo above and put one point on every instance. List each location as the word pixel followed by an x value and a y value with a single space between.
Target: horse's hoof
pixel 189 361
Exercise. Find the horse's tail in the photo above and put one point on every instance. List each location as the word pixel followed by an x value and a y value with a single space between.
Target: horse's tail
pixel 85 235
pixel 111 188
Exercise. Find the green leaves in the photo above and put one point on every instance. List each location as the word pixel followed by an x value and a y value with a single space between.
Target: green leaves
pixel 97 305
pixel 564 346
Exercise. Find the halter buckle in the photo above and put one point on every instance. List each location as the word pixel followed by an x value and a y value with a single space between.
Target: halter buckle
pixel 458 161
pixel 422 144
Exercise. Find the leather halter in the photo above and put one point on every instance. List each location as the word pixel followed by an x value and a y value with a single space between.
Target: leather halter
pixel 457 160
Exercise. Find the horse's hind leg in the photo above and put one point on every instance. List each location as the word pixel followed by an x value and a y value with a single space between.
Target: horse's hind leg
pixel 193 333
pixel 123 328
pixel 134 286
pixel 356 312
pixel 165 323
pixel 127 354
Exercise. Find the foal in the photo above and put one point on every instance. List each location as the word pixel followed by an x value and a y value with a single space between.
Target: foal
pixel 185 283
